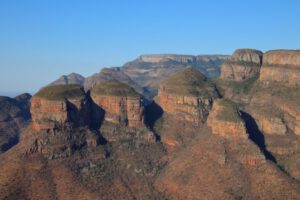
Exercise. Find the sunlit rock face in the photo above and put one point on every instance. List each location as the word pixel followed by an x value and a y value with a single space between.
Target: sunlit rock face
pixel 243 64
pixel 281 66
pixel 225 120
pixel 187 95
pixel 121 103
pixel 60 104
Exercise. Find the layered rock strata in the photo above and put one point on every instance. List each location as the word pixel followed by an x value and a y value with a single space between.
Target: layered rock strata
pixel 243 64
pixel 187 96
pixel 225 120
pixel 281 66
pixel 60 104
pixel 121 103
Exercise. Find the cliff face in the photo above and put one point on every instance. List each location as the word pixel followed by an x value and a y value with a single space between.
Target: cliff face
pixel 187 96
pixel 281 66
pixel 225 120
pixel 243 64
pixel 122 105
pixel 56 105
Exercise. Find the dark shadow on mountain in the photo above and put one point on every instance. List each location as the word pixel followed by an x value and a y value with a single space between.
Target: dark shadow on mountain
pixel 73 114
pixel 9 144
pixel 97 114
pixel 256 135
pixel 153 112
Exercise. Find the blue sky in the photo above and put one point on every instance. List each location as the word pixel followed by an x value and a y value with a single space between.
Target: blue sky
pixel 43 39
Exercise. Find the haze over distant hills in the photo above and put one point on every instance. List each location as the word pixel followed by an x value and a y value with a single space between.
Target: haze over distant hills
pixel 146 72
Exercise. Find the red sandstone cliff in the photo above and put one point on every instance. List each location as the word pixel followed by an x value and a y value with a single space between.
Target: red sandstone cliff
pixel 57 105
pixel 224 120
pixel 243 64
pixel 281 66
pixel 187 96
pixel 121 104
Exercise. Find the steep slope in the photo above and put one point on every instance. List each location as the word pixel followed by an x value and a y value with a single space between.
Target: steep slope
pixel 243 64
pixel 14 115
pixel 281 66
pixel 270 102
pixel 239 73
pixel 58 104
pixel 222 163
pixel 121 103
pixel 188 95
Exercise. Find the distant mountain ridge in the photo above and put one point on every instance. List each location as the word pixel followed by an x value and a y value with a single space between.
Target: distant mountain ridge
pixel 145 73
pixel 72 78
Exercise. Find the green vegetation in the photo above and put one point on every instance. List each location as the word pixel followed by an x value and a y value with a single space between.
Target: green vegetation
pixel 243 87
pixel 229 111
pixel 60 92
pixel 115 88
pixel 189 82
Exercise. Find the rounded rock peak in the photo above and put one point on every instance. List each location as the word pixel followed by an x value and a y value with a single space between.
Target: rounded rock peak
pixel 248 55
pixel 114 88
pixel 61 92
pixel 189 82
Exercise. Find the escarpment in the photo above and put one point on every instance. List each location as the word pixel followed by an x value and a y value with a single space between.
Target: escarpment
pixel 59 104
pixel 121 103
pixel 281 66
pixel 243 64
pixel 225 120
pixel 187 96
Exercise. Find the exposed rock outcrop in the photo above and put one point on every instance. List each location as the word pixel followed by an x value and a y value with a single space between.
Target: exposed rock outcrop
pixel 281 66
pixel 121 103
pixel 58 105
pixel 187 95
pixel 243 64
pixel 225 120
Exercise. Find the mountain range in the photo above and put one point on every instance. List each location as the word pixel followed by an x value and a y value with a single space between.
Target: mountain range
pixel 159 127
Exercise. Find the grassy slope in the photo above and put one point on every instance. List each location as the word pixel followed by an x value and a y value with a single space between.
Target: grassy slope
pixel 60 92
pixel 230 112
pixel 189 82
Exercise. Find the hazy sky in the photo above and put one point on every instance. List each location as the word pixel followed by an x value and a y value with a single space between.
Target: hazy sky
pixel 43 39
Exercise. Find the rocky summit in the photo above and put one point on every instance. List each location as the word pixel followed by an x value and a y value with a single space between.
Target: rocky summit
pixel 109 136
pixel 243 64
pixel 56 105
pixel 187 95
pixel 121 103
